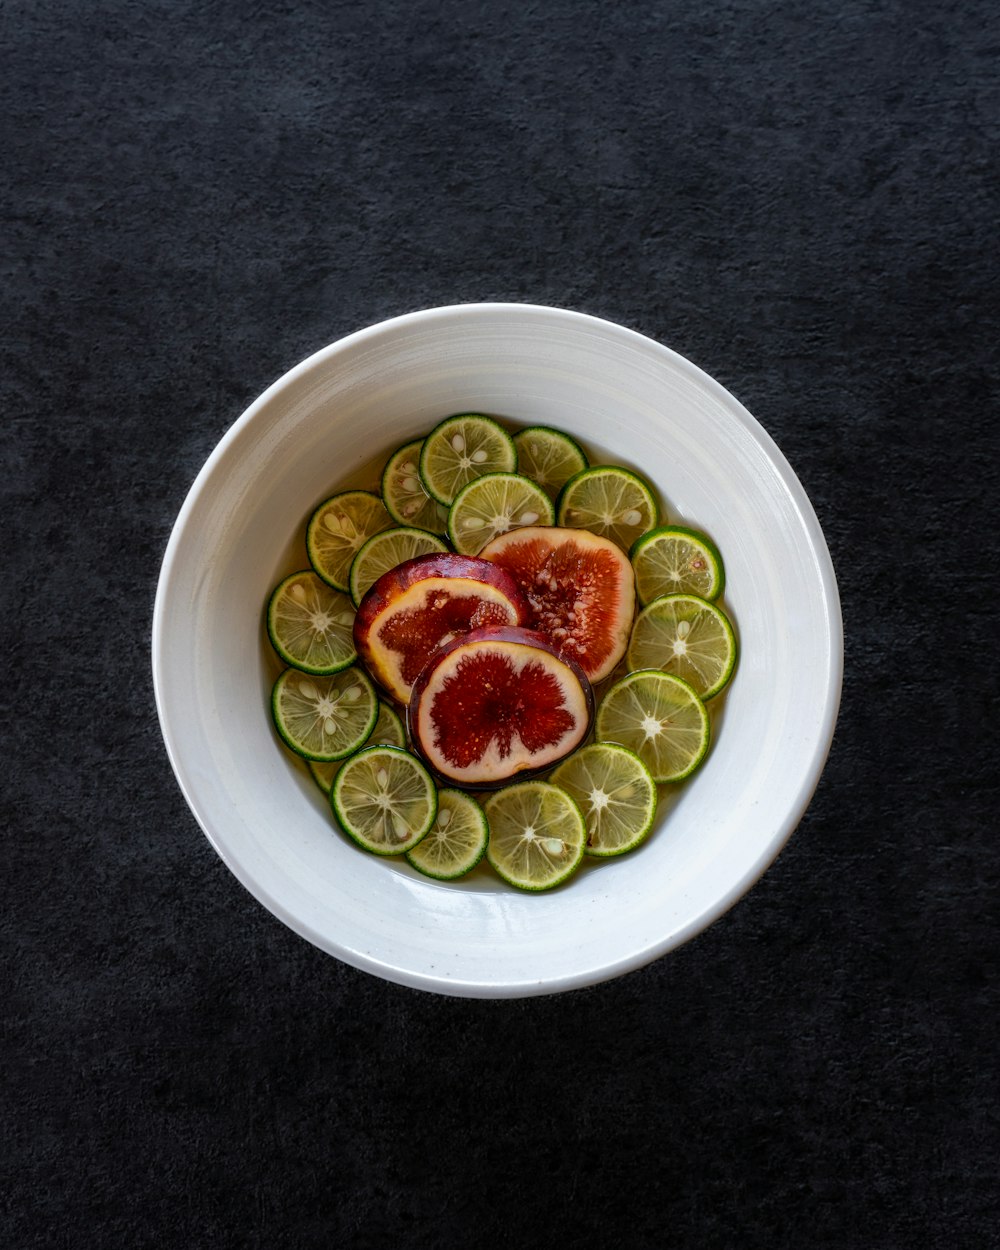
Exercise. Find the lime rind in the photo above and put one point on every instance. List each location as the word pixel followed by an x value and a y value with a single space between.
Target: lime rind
pixel 688 636
pixel 456 842
pixel 384 799
pixel 387 549
pixel 310 624
pixel 537 835
pixel 493 504
pixel 324 717
pixel 460 449
pixel 609 500
pixel 339 528
pixel 403 493
pixel 616 793
pixel 549 457
pixel 673 559
pixel 660 718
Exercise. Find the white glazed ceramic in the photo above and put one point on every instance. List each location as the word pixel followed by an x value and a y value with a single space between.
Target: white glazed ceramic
pixel 241 528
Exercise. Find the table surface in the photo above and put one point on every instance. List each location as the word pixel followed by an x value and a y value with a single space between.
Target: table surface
pixel 800 198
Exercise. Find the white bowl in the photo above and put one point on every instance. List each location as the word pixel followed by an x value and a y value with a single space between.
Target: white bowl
pixel 241 528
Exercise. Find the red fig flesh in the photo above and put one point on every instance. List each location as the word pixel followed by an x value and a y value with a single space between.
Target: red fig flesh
pixel 497 703
pixel 580 589
pixel 423 603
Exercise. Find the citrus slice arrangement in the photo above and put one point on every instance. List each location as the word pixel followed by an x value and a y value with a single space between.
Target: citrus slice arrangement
pixel 501 656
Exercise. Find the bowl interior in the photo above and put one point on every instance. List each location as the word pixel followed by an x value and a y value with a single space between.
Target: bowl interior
pixel 331 422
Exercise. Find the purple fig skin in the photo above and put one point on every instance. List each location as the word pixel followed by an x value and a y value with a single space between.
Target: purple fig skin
pixel 394 583
pixel 502 633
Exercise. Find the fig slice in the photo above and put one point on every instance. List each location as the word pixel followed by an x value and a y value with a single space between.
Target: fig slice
pixel 580 589
pixel 498 703
pixel 425 602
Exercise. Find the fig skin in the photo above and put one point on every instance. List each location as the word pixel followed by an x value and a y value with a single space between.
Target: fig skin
pixel 375 607
pixel 580 589
pixel 508 634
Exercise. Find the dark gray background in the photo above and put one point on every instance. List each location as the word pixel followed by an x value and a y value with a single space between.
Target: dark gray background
pixel 799 197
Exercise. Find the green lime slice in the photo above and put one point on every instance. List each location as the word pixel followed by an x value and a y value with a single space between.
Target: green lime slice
pixel 403 492
pixel 311 625
pixel 388 732
pixel 493 505
pixel 324 718
pixel 384 799
pixel 686 636
pixel 457 839
pixel 675 560
pixel 611 501
pixel 615 792
pixel 660 718
pixel 337 531
pixel 549 457
pixel 537 834
pixel 384 550
pixel 462 448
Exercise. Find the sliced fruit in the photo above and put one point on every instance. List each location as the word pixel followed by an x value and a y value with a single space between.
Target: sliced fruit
pixel 497 702
pixel 337 531
pixel 388 732
pixel 324 771
pixel 549 457
pixel 385 550
pixel 384 799
pixel 673 560
pixel 615 792
pixel 462 448
pixel 660 718
pixel 686 636
pixel 537 835
pixel 324 718
pixel 417 606
pixel 580 589
pixel 456 841
pixel 494 504
pixel 403 492
pixel 311 625
pixel 610 501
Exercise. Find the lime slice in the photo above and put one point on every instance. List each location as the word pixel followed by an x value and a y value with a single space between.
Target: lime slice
pixel 660 718
pixel 388 732
pixel 549 457
pixel 384 550
pixel 537 834
pixel 610 501
pixel 460 449
pixel 493 505
pixel 674 560
pixel 615 792
pixel 324 718
pixel 311 625
pixel 337 531
pixel 686 636
pixel 457 840
pixel 403 493
pixel 384 799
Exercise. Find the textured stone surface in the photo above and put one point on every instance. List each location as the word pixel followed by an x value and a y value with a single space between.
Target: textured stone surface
pixel 800 198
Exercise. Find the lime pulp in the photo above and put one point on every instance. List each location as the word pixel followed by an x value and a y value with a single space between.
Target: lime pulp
pixel 385 800
pixel 615 792
pixel 456 841
pixel 660 718
pixel 537 834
